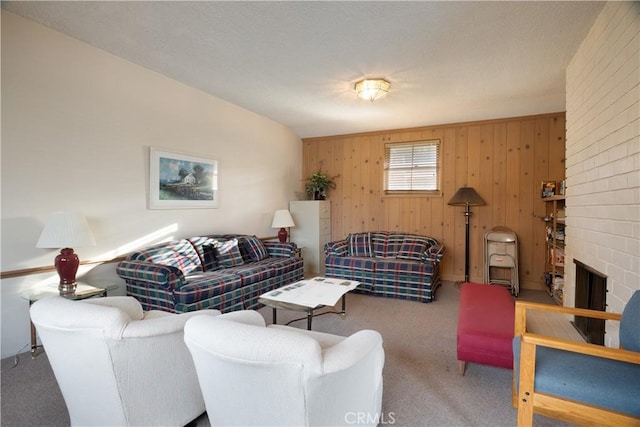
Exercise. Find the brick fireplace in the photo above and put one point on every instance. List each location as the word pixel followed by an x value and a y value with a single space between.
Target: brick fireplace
pixel 602 204
pixel 591 293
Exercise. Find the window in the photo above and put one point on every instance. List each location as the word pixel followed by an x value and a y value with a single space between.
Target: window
pixel 412 167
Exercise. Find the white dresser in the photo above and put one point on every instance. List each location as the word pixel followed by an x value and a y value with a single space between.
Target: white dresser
pixel 311 232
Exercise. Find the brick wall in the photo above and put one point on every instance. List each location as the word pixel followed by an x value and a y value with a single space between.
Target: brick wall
pixel 603 156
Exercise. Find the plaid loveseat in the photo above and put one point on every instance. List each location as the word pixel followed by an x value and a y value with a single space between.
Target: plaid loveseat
pixel 396 265
pixel 224 272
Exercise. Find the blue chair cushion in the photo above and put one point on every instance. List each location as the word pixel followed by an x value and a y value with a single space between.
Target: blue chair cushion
pixel 588 379
pixel 630 324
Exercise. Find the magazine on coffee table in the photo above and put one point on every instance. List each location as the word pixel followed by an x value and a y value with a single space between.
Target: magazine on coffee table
pixel 313 292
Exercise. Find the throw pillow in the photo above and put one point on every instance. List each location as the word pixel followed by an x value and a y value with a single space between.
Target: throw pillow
pixel 412 249
pixel 255 248
pixel 337 248
pixel 210 254
pixel 228 254
pixel 360 245
pixel 243 249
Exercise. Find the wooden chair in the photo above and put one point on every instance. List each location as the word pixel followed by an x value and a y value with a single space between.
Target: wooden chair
pixel 578 382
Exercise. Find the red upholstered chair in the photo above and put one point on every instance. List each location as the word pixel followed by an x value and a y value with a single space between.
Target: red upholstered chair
pixel 485 326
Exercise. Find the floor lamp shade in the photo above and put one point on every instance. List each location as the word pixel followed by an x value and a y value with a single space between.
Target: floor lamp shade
pixel 466 196
pixel 282 219
pixel 64 230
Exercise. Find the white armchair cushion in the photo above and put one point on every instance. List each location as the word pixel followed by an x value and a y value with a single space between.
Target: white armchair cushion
pixel 253 375
pixel 129 305
pixel 117 367
pixel 325 340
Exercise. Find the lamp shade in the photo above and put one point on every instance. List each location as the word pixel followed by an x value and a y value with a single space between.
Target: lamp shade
pixel 65 230
pixel 282 218
pixel 372 89
pixel 466 196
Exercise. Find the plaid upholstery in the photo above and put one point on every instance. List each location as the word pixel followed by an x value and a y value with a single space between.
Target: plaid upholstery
pixel 413 248
pixel 252 292
pixel 402 265
pixel 256 250
pixel 435 253
pixel 210 257
pixel 281 265
pixel 228 254
pixel 251 273
pixel 359 244
pixel 359 269
pixel 151 297
pixel 337 248
pixel 165 276
pixel 205 286
pixel 178 253
pixel 386 245
pixel 281 250
pixel 230 301
pixel 205 248
pixel 165 286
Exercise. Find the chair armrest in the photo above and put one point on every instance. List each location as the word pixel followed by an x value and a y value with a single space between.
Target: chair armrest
pixel 281 250
pixel 520 325
pixel 129 305
pixel 165 325
pixel 435 253
pixel 165 276
pixel 325 339
pixel 336 248
pixel 351 350
pixel 584 348
pixel 248 317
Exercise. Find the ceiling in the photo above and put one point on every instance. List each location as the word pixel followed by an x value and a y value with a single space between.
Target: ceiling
pixel 297 62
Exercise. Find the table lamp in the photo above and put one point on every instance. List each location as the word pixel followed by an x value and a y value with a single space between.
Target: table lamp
pixel 64 230
pixel 281 219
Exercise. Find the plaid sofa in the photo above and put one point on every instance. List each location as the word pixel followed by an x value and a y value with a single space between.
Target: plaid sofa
pixel 396 265
pixel 224 272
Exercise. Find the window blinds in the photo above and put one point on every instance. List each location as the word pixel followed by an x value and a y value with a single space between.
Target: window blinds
pixel 412 166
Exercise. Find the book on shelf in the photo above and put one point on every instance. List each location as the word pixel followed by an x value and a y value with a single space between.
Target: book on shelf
pixel 548 189
pixel 556 257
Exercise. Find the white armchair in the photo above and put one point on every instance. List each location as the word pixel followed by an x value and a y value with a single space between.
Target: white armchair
pixel 253 375
pixel 117 365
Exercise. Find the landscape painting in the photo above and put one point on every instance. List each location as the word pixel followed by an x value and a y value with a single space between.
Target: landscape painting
pixel 181 181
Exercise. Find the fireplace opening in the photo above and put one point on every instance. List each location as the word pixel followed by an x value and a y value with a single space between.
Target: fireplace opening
pixel 591 293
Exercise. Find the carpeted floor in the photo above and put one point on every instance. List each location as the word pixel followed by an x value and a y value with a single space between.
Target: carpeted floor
pixel 422 386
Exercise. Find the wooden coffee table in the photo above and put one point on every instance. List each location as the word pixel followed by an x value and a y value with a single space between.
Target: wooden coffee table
pixel 308 296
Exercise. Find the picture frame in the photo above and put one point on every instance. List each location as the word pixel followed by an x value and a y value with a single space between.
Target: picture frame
pixel 182 181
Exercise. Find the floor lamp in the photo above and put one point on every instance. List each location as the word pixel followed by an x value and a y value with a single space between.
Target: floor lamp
pixel 467 197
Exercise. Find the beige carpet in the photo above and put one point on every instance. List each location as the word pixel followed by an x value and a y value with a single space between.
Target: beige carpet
pixel 422 386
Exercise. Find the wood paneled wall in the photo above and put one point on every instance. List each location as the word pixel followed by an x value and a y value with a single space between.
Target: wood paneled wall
pixel 504 160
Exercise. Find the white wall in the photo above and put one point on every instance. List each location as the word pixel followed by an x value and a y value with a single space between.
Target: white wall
pixel 603 156
pixel 77 124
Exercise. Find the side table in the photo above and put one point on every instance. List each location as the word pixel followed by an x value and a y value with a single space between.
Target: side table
pixel 83 291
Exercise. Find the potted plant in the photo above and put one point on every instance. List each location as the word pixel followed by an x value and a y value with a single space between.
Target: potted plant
pixel 318 184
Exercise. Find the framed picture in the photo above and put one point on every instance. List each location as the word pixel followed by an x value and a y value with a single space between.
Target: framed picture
pixel 182 181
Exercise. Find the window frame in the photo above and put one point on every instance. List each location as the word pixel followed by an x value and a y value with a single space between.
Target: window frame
pixel 388 146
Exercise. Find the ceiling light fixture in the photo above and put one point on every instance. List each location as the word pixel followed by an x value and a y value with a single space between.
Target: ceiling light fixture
pixel 372 89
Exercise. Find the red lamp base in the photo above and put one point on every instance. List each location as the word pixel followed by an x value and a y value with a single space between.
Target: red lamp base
pixel 282 235
pixel 67 263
